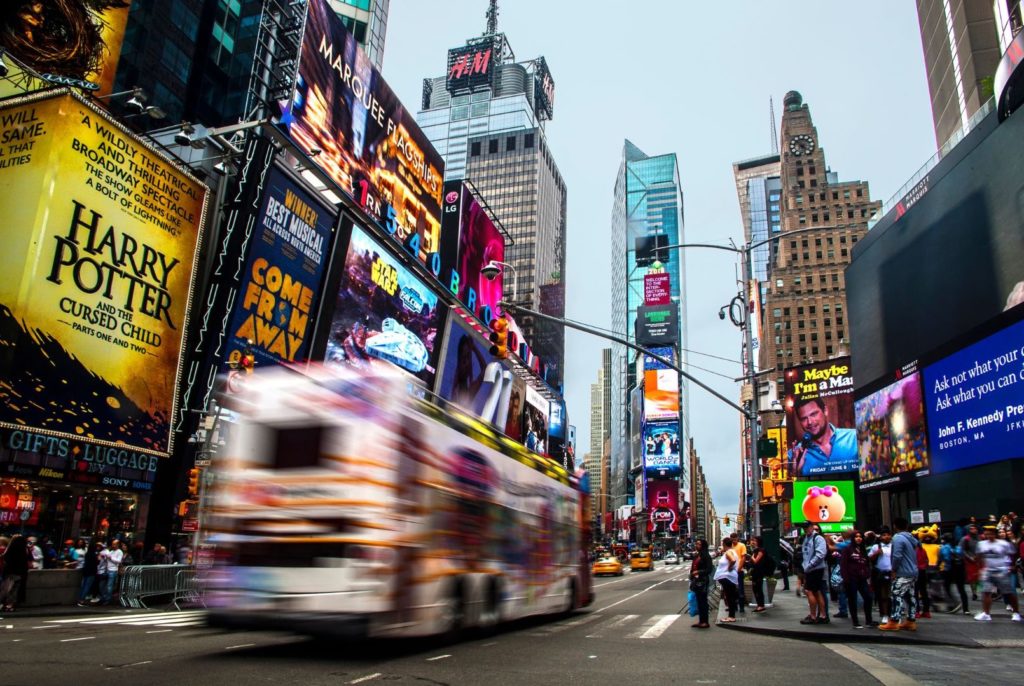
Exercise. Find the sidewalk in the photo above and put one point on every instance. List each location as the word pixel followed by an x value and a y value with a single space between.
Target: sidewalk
pixel 783 619
pixel 75 610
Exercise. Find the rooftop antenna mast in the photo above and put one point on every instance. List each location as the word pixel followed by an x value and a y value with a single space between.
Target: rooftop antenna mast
pixel 775 135
pixel 492 18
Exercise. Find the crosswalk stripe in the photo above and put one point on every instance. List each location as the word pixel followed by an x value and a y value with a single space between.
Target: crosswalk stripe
pixel 645 627
pixel 563 626
pixel 139 620
pixel 613 623
pixel 659 628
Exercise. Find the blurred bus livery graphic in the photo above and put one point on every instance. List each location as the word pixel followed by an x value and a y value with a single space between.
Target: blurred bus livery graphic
pixel 344 506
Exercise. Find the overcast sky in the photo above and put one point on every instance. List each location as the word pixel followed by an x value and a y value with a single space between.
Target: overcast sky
pixel 693 78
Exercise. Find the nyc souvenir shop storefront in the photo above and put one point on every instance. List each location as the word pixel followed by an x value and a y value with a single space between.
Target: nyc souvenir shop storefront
pixel 65 489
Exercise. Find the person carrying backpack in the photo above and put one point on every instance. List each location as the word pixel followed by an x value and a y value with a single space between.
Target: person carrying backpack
pixel 951 562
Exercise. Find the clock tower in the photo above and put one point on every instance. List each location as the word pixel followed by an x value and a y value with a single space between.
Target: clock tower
pixel 804 317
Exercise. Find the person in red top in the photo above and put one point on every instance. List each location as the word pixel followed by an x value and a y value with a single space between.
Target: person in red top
pixel 923 600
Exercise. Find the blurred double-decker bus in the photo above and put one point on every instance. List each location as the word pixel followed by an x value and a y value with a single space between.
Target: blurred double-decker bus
pixel 342 505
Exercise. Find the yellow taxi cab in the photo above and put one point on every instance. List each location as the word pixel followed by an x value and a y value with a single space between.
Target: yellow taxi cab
pixel 641 559
pixel 607 565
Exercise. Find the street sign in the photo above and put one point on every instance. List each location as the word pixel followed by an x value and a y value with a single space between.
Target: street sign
pixel 202 462
pixel 190 525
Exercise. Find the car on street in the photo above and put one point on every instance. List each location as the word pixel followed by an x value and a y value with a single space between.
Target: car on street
pixel 607 565
pixel 671 559
pixel 641 559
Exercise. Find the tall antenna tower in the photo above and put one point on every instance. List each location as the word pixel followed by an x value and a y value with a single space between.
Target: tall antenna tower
pixel 492 18
pixel 775 134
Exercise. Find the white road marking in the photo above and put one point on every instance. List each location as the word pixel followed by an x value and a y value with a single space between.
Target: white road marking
pixel 613 623
pixel 155 617
pixel 636 594
pixel 645 627
pixel 136 664
pixel 160 631
pixel 439 657
pixel 44 627
pixel 492 643
pixel 562 626
pixel 365 678
pixel 243 645
pixel 885 674
pixel 659 628
pixel 83 638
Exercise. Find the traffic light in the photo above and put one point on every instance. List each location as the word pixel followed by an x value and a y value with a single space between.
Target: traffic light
pixel 499 337
pixel 193 482
pixel 725 520
pixel 247 361
pixel 767 447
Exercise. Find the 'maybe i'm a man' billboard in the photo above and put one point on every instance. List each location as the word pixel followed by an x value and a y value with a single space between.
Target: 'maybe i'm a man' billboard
pixel 99 238
pixel 363 136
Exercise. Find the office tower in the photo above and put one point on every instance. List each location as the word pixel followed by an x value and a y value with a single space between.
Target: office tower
pixel 600 420
pixel 486 117
pixel 192 57
pixel 805 302
pixel 648 206
pixel 368 22
pixel 961 52
pixel 759 190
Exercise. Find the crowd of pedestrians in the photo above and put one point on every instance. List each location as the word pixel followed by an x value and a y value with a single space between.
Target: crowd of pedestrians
pixel 897 576
pixel 100 565
pixel 899 573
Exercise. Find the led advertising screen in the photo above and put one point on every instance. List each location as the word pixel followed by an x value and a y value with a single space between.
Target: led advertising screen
pixel 99 251
pixel 891 436
pixel 462 378
pixel 479 243
pixel 535 423
pixel 661 387
pixel 820 418
pixel 365 139
pixel 383 312
pixel 657 324
pixel 516 405
pixel 831 504
pixel 663 506
pixel 954 247
pixel 71 43
pixel 975 401
pixel 661 448
pixel 287 255
pixel 472 66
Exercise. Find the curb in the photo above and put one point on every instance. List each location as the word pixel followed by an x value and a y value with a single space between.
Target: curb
pixel 867 637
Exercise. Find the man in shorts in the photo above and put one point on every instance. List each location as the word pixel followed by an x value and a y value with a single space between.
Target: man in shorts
pixel 995 555
pixel 814 551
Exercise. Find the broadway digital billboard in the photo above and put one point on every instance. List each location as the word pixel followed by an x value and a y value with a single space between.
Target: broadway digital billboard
pixel 661 387
pixel 956 253
pixel 663 506
pixel 383 312
pixel 661 448
pixel 820 419
pixel 462 377
pixel 70 42
pixel 347 118
pixel 975 401
pixel 891 435
pixel 99 251
pixel 288 252
pixel 829 504
pixel 535 424
pixel 468 226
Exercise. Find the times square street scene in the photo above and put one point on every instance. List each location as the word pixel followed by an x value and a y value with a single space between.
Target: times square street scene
pixel 334 352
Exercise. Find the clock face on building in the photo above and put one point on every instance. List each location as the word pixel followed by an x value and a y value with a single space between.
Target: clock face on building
pixel 801 145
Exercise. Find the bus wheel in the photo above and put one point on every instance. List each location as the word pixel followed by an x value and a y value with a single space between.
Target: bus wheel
pixel 571 603
pixel 453 611
pixel 490 613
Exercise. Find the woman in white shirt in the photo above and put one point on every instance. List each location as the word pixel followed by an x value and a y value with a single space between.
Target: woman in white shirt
pixel 727 577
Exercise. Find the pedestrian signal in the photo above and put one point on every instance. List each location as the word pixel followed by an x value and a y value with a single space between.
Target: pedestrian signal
pixel 499 337
pixel 193 482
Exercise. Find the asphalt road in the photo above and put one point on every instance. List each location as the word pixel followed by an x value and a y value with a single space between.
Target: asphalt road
pixel 637 632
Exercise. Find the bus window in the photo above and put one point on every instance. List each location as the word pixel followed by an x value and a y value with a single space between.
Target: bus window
pixel 296 447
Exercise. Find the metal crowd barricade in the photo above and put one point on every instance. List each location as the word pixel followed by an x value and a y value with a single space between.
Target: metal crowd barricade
pixel 177 583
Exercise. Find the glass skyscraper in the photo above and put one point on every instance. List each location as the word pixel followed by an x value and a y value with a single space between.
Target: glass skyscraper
pixel 648 202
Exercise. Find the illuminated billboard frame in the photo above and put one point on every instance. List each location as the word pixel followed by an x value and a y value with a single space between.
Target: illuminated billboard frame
pixel 661 448
pixel 285 265
pixel 99 261
pixel 891 430
pixel 383 311
pixel 831 504
pixel 343 114
pixel 661 387
pixel 818 399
